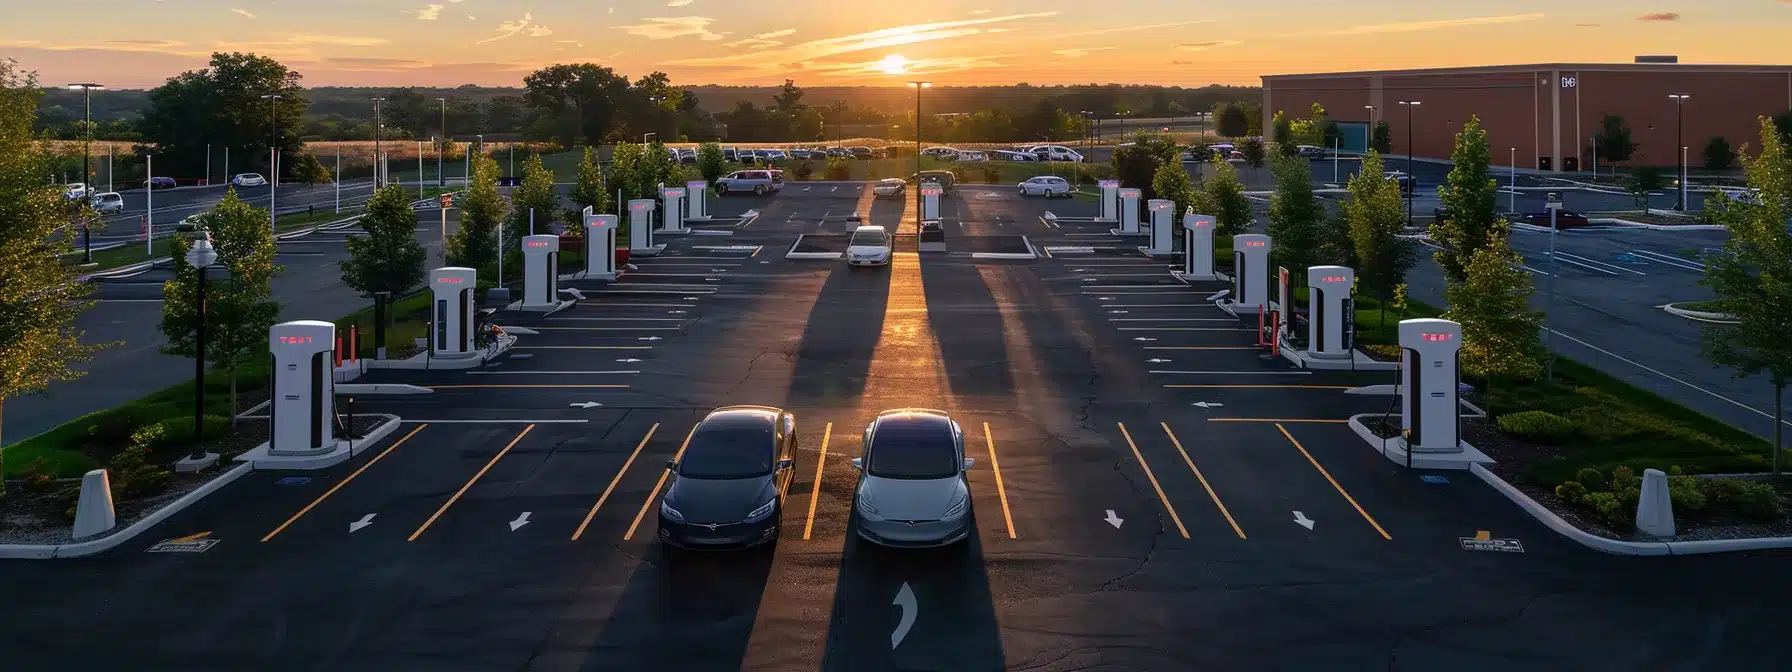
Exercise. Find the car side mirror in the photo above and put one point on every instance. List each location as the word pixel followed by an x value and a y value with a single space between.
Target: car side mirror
pixel 969 462
pixel 858 463
pixel 785 464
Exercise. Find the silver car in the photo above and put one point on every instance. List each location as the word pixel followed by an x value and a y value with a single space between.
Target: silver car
pixel 912 491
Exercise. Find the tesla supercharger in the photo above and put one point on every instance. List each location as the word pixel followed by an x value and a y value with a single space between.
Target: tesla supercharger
pixel 1110 201
pixel 1428 380
pixel 640 227
pixel 1197 251
pixel 1250 272
pixel 697 194
pixel 600 246
pixel 673 215
pixel 930 202
pixel 1129 213
pixel 1329 318
pixel 302 412
pixel 541 272
pixel 452 288
pixel 1163 231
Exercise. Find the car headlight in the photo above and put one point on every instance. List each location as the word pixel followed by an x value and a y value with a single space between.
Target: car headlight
pixel 671 513
pixel 865 508
pixel 763 510
pixel 958 509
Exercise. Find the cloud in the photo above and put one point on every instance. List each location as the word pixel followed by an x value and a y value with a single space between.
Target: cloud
pixel 761 40
pixel 121 46
pixel 336 40
pixel 1416 26
pixel 678 3
pixel 242 12
pixel 429 13
pixel 1595 25
pixel 981 12
pixel 361 64
pixel 1182 62
pixel 665 28
pixel 509 29
pixel 1079 53
pixel 808 52
pixel 1128 29
pixel 926 66
pixel 1664 16
pixel 540 31
pixel 1204 46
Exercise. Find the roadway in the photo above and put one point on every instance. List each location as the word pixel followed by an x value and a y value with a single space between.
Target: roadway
pixel 508 526
pixel 173 205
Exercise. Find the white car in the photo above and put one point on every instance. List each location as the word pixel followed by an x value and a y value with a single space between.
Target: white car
pixel 1004 155
pixel 869 246
pixel 109 203
pixel 249 180
pixel 972 157
pixel 1057 153
pixel 1049 186
pixel 889 186
pixel 74 191
pixel 942 153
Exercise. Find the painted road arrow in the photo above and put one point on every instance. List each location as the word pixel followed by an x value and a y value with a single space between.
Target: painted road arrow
pixel 628 361
pixel 905 598
pixel 521 520
pixel 1116 312
pixel 1219 295
pixel 1303 520
pixel 1207 404
pixel 1114 520
pixel 648 338
pixel 1155 360
pixel 363 522
pixel 1143 338
pixel 585 404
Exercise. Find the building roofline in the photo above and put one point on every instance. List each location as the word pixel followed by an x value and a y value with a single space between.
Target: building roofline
pixel 1539 67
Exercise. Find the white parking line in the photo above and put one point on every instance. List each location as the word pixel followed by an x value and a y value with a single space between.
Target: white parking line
pixel 1172 319
pixel 1573 257
pixel 1233 373
pixel 1186 329
pixel 552 373
pixel 617 319
pixel 1179 288
pixel 1670 260
pixel 1586 266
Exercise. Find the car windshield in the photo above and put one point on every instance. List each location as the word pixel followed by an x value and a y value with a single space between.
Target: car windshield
pixel 914 449
pixel 867 239
pixel 739 450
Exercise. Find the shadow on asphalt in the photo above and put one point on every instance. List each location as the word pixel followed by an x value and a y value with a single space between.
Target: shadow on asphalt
pixel 967 325
pixel 840 338
pixel 684 610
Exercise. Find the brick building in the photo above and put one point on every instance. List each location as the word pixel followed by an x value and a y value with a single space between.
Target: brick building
pixel 1548 112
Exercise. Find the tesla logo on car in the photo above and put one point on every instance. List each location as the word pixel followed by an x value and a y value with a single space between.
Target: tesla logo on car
pixel 1570 82
pixel 712 526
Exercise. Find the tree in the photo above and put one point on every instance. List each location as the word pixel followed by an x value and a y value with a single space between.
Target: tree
pixel 475 243
pixel 1749 277
pixel 1783 123
pixel 1294 214
pixel 1719 155
pixel 1253 151
pixel 1136 167
pixel 1612 141
pixel 710 163
pixel 1375 217
pixel 388 259
pixel 1231 121
pixel 222 106
pixel 39 296
pixel 1645 181
pixel 410 111
pixel 1283 134
pixel 309 170
pixel 532 207
pixel 1469 198
pixel 1383 138
pixel 1492 303
pixel 239 306
pixel 1175 109
pixel 1225 196
pixel 583 101
pixel 588 192
pixel 1172 183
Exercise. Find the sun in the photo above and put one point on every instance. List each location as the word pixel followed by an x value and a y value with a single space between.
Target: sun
pixel 894 64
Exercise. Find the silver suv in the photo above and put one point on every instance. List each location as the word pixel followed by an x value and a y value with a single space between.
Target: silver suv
pixel 759 182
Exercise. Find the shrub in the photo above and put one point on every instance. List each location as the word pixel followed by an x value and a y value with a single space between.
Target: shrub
pixel 838 169
pixel 992 174
pixel 1625 479
pixel 960 175
pixel 1572 492
pixel 132 473
pixel 1683 492
pixel 1606 506
pixel 804 170
pixel 1756 500
pixel 1541 426
pixel 1591 478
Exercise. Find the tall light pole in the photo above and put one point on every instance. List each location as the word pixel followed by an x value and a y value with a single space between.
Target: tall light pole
pixel 273 157
pixel 379 160
pixel 86 89
pixel 441 180
pixel 1412 179
pixel 918 86
pixel 1680 141
pixel 1369 138
pixel 1512 193
pixel 200 256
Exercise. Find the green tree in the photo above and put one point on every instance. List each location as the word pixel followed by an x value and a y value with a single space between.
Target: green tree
pixel 388 259
pixel 709 161
pixel 1282 132
pixel 1749 278
pixel 1226 200
pixel 1469 198
pixel 1644 181
pixel 309 170
pixel 581 102
pixel 1135 167
pixel 588 192
pixel 1231 120
pixel 1782 122
pixel 221 105
pixel 475 244
pixel 1295 214
pixel 1492 303
pixel 1382 140
pixel 1719 155
pixel 1253 151
pixel 1173 184
pixel 533 205
pixel 239 306
pixel 39 297
pixel 1375 217
pixel 1612 140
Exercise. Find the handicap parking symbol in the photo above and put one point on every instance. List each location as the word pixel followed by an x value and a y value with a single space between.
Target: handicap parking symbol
pixel 1628 258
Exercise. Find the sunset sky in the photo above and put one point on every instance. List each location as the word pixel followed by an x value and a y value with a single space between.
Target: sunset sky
pixel 139 43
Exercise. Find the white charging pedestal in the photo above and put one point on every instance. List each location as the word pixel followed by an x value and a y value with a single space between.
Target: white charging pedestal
pixel 930 202
pixel 1429 420
pixel 673 214
pixel 1163 228
pixel 600 246
pixel 697 195
pixel 640 228
pixel 1250 274
pixel 302 411
pixel 541 273
pixel 452 288
pixel 1129 214
pixel 1330 318
pixel 1197 248
pixel 1110 201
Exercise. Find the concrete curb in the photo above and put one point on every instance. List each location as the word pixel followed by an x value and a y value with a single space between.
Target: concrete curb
pixel 1657 227
pixel 85 548
pixel 1698 315
pixel 343 451
pixel 123 271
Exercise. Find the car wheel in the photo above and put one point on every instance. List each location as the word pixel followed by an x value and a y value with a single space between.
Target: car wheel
pixel 759 190
pixel 721 188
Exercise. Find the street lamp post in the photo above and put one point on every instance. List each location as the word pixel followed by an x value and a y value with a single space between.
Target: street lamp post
pixel 379 159
pixel 1549 303
pixel 1680 141
pixel 918 86
pixel 273 156
pixel 86 89
pixel 200 256
pixel 441 180
pixel 1512 193
pixel 1412 178
pixel 1369 137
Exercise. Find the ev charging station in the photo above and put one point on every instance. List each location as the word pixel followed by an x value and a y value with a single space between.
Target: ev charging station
pixel 1110 201
pixel 1197 249
pixel 1429 420
pixel 697 195
pixel 1250 274
pixel 600 246
pixel 930 202
pixel 452 289
pixel 640 228
pixel 1163 232
pixel 674 212
pixel 1330 317
pixel 541 272
pixel 1129 214
pixel 302 410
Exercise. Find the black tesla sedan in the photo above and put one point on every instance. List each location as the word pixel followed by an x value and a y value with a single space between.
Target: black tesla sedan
pixel 728 484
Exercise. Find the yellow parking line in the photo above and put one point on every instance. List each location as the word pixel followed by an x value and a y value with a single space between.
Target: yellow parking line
pixel 618 479
pixel 526 387
pixel 1306 420
pixel 469 485
pixel 1210 493
pixel 1258 387
pixel 1149 476
pixel 656 487
pixel 1334 482
pixel 320 498
pixel 755 252
pixel 990 440
pixel 815 490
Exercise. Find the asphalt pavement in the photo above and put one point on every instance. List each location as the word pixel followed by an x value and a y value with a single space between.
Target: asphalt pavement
pixel 509 523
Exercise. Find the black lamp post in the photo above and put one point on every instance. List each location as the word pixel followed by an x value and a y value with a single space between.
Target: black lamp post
pixel 379 159
pixel 441 180
pixel 86 89
pixel 1680 145
pixel 918 86
pixel 1412 178
pixel 201 256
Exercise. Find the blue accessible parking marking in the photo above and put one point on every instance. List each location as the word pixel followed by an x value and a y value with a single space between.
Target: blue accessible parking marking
pixel 1434 480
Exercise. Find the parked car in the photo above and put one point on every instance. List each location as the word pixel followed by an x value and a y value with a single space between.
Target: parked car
pixel 1005 155
pixel 759 182
pixel 1565 219
pixel 1310 152
pixel 190 223
pixel 1049 186
pixel 799 154
pixel 912 490
pixel 972 157
pixel 889 187
pixel 869 246
pixel 74 191
pixel 1221 149
pixel 687 156
pixel 161 183
pixel 1407 184
pixel 837 153
pixel 249 180
pixel 773 154
pixel 729 481
pixel 861 152
pixel 1057 153
pixel 109 203
pixel 941 153
pixel 944 178
pixel 728 154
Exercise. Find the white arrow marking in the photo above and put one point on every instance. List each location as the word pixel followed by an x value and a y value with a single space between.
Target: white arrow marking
pixel 585 404
pixel 521 520
pixel 1303 520
pixel 905 598
pixel 1207 404
pixel 690 298
pixel 648 338
pixel 628 361
pixel 1155 360
pixel 363 522
pixel 675 312
pixel 576 294
pixel 1114 520
pixel 1117 312
pixel 1143 338
pixel 1219 295
pixel 1105 298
